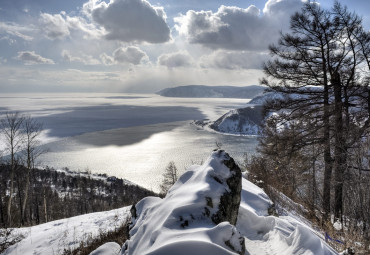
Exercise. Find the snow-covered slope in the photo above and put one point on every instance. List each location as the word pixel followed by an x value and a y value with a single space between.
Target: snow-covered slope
pixel 239 121
pixel 181 222
pixel 55 236
pixel 190 220
pixel 242 121
pixel 202 91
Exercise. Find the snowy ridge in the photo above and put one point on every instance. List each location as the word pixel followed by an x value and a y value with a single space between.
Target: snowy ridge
pixel 177 224
pixel 242 121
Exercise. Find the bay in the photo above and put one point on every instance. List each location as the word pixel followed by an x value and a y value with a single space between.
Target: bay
pixel 131 136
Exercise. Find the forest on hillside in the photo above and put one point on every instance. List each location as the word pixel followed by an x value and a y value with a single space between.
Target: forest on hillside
pixel 56 195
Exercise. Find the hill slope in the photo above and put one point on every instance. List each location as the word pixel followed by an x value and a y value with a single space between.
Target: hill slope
pixel 202 91
pixel 242 121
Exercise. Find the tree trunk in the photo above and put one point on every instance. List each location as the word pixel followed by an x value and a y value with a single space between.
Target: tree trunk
pixel 327 156
pixel 20 200
pixel 26 195
pixel 11 190
pixel 340 154
pixel 1 211
pixel 45 207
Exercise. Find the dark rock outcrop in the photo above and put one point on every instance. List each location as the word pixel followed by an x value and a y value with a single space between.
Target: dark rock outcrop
pixel 230 200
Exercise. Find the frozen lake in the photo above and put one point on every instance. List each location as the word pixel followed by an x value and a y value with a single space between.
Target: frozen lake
pixel 131 136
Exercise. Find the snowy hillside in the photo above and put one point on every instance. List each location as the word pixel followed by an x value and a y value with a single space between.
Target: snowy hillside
pixel 242 121
pixel 56 236
pixel 199 91
pixel 196 218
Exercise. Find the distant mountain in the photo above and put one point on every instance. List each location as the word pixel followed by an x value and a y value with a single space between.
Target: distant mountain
pixel 202 91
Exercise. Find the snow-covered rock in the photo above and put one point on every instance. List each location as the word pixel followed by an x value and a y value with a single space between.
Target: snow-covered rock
pixel 180 224
pixel 194 217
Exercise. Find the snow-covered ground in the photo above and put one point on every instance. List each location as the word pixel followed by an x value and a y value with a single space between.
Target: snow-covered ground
pixel 178 224
pixel 53 237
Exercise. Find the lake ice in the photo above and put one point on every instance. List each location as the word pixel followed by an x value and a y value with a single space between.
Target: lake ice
pixel 127 135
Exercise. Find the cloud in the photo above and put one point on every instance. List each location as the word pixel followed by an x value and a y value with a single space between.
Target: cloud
pixel 15 30
pixel 85 59
pixel 236 28
pixel 282 8
pixel 31 58
pixel 234 60
pixel 177 59
pixel 131 54
pixel 54 26
pixel 60 26
pixel 130 20
pixel 106 59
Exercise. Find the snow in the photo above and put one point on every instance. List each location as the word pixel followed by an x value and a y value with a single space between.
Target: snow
pixel 160 229
pixel 178 224
pixel 110 248
pixel 241 121
pixel 164 226
pixel 55 236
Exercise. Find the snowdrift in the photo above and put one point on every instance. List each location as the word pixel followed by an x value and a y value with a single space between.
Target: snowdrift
pixel 183 222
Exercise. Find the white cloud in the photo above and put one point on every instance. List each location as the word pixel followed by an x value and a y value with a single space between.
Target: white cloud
pixel 234 60
pixel 54 26
pixel 31 58
pixel 85 59
pixel 177 59
pixel 236 28
pixel 131 54
pixel 80 24
pixel 130 20
pixel 15 30
pixel 60 26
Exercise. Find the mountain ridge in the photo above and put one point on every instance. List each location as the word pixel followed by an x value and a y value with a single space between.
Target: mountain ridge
pixel 204 91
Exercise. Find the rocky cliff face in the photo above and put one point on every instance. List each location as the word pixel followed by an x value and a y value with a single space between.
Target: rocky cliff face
pixel 201 207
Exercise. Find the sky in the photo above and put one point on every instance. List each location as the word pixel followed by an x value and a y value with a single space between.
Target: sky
pixel 140 46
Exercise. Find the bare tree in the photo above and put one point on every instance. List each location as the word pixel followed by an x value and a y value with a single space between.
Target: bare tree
pixel 32 130
pixel 11 127
pixel 319 69
pixel 170 176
